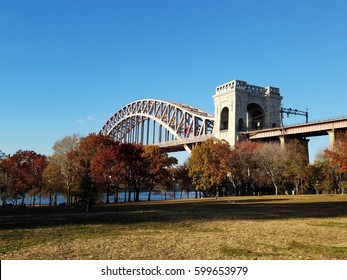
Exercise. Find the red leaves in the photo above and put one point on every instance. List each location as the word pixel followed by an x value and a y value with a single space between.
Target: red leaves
pixel 25 168
pixel 105 166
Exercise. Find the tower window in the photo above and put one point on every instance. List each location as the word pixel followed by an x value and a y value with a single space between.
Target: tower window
pixel 224 119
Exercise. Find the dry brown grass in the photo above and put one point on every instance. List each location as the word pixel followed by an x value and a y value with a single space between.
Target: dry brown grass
pixel 269 227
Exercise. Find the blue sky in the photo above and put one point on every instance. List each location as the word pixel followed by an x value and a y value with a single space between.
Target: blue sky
pixel 66 66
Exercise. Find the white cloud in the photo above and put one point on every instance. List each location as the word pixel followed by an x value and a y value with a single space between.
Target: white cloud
pixel 88 119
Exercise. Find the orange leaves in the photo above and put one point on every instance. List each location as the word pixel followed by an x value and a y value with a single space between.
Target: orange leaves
pixel 338 154
pixel 208 163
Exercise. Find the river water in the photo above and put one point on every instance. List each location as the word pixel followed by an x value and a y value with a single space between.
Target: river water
pixel 61 199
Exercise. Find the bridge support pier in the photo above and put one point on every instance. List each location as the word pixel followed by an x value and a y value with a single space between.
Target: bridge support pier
pixel 332 136
pixel 283 141
pixel 303 141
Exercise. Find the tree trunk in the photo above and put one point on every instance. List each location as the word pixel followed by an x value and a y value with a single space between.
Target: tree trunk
pixel 137 197
pixel 150 190
pixel 68 199
pixel 115 196
pixel 108 196
pixel 34 199
pixel 217 193
pixel 149 195
pixel 276 189
pixel 129 194
pixel 234 185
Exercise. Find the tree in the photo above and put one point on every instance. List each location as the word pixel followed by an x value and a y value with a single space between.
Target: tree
pixel 338 161
pixel 315 176
pixel 25 168
pixel 330 173
pixel 6 183
pixel 208 164
pixel 296 164
pixel 80 162
pixel 53 180
pixel 60 159
pixel 271 164
pixel 38 166
pixel 242 167
pixel 105 169
pixel 156 164
pixel 181 179
pixel 132 168
pixel 339 152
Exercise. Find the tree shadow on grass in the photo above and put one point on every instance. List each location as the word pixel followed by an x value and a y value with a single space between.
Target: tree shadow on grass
pixel 170 211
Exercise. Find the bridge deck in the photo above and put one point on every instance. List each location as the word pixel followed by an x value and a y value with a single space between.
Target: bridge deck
pixel 178 145
pixel 318 128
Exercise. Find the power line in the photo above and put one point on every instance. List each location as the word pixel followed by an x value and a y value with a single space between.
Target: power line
pixel 290 111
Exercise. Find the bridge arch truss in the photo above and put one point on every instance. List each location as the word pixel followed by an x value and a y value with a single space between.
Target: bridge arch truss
pixel 170 125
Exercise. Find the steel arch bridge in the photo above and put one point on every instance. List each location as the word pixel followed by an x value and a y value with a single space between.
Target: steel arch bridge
pixel 170 125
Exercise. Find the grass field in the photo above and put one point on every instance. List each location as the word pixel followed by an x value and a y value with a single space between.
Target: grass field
pixel 265 227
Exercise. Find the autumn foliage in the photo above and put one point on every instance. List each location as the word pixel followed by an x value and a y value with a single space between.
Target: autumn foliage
pixel 85 170
pixel 249 168
pixel 23 172
pixel 333 166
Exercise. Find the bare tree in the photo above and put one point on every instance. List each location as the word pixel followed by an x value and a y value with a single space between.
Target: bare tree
pixel 271 162
pixel 61 149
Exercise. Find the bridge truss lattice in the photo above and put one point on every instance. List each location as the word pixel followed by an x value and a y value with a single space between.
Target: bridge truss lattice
pixel 170 125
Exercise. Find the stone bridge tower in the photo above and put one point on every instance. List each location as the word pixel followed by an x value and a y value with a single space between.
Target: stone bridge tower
pixel 242 107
